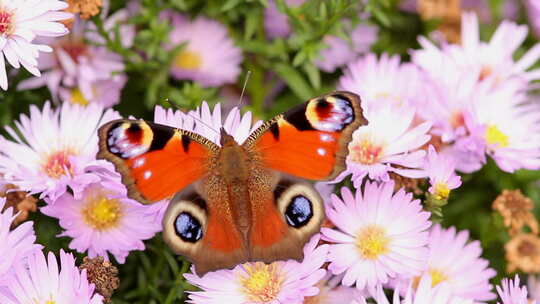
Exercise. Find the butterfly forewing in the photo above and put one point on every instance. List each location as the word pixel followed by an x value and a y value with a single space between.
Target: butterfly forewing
pixel 310 140
pixel 155 161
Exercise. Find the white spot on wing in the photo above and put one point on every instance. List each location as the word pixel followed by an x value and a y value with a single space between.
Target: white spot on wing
pixel 139 162
pixel 147 174
pixel 326 138
pixel 321 151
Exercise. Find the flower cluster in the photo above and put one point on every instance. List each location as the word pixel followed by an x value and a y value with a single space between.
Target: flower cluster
pixel 469 100
pixel 23 262
pixel 80 72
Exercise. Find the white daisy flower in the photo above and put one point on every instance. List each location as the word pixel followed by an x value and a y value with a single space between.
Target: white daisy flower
pixel 379 235
pixel 21 21
pixel 388 143
pixel 55 149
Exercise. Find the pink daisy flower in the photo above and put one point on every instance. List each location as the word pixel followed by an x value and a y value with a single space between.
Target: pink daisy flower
pixel 449 106
pixel 279 282
pixel 511 293
pixel 208 123
pixel 42 282
pixel 468 153
pixel 22 22
pixel 339 52
pixel 104 220
pixel 494 60
pixel 379 235
pixel 533 11
pixel 79 72
pixel 363 37
pixel 388 143
pixel 441 171
pixel 450 95
pixel 208 46
pixel 455 261
pixel 425 293
pixel 17 244
pixel 331 292
pixel 119 19
pixel 533 284
pixel 276 23
pixel 104 92
pixel 383 82
pixel 509 126
pixel 55 149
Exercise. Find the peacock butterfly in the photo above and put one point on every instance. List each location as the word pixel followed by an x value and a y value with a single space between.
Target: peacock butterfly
pixel 232 202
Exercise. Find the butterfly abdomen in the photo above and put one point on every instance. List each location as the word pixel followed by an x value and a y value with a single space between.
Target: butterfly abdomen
pixel 233 169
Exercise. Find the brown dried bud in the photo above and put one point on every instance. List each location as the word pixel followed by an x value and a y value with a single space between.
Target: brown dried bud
pixel 103 274
pixel 448 11
pixel 20 201
pixel 515 209
pixel 409 184
pixel 523 253
pixel 86 8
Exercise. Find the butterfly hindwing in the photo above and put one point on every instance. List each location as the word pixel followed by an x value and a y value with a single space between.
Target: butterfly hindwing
pixel 197 226
pixel 310 140
pixel 284 219
pixel 155 161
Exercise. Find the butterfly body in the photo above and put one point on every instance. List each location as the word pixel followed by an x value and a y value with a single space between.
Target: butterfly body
pixel 237 202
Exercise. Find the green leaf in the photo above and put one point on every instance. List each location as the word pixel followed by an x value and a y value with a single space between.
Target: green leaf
pixel 382 17
pixel 229 4
pixel 252 24
pixel 299 58
pixel 313 74
pixel 294 80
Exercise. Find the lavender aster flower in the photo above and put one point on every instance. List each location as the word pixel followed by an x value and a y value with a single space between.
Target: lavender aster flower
pixel 275 283
pixel 379 235
pixel 208 46
pixel 275 22
pixel 511 293
pixel 22 22
pixel 17 244
pixel 55 149
pixel 103 220
pixel 42 282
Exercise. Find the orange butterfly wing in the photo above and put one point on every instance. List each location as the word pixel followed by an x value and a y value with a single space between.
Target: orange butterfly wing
pixel 155 161
pixel 310 140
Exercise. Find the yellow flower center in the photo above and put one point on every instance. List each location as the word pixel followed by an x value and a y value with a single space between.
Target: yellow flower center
pixel 50 302
pixel 494 136
pixel 77 97
pixel 442 192
pixel 437 277
pixel 102 213
pixel 6 24
pixel 57 164
pixel 262 283
pixel 365 152
pixel 188 60
pixel 372 242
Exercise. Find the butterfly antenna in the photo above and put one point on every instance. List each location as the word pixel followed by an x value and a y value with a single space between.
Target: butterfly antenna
pixel 239 103
pixel 243 89
pixel 198 120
